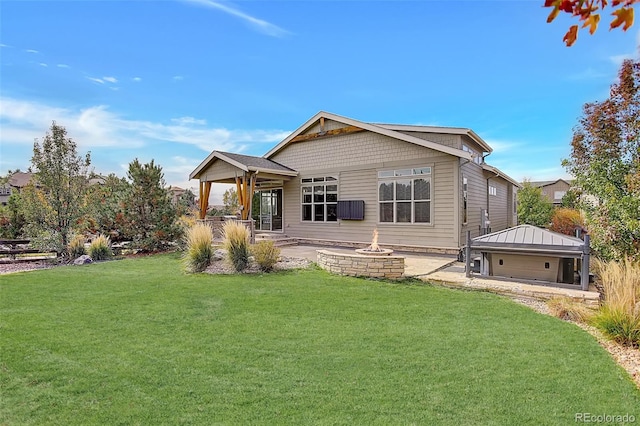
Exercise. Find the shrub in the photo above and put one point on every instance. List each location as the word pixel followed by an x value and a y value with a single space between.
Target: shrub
pixel 619 317
pixel 569 310
pixel 236 241
pixel 266 255
pixel 566 221
pixel 100 248
pixel 199 248
pixel 76 246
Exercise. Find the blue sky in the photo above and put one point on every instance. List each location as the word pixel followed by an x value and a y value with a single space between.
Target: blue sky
pixel 174 80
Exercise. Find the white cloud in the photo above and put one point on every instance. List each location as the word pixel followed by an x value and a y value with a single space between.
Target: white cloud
pixel 501 146
pixel 136 79
pixel 618 59
pixel 96 80
pixel 178 77
pixel 4 45
pixel 42 64
pixel 188 120
pixel 31 51
pixel 110 79
pixel 259 24
pixel 63 66
pixel 96 126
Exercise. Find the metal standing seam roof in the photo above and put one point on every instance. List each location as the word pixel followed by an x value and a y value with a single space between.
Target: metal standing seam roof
pixel 523 235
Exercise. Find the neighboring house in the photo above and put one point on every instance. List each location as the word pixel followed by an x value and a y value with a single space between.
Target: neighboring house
pixel 335 179
pixel 554 190
pixel 176 192
pixel 16 182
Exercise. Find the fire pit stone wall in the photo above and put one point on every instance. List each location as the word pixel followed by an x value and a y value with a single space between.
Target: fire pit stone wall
pixel 359 265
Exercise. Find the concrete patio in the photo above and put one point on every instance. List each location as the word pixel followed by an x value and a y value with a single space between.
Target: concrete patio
pixel 447 271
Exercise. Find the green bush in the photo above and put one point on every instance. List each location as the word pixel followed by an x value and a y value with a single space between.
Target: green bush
pixel 199 248
pixel 100 248
pixel 76 246
pixel 266 255
pixel 236 241
pixel 619 317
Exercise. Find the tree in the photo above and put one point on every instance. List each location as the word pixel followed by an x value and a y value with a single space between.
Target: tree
pixel 149 216
pixel 585 11
pixel 55 203
pixel 230 201
pixel 533 207
pixel 186 202
pixel 104 204
pixel 12 217
pixel 605 161
pixel 566 221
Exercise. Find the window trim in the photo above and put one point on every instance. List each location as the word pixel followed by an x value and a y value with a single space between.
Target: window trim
pixel 313 182
pixel 424 172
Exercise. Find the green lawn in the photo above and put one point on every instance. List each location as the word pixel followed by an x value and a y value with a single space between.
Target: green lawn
pixel 139 342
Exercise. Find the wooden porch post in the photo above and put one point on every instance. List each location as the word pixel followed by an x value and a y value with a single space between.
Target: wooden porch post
pixel 205 191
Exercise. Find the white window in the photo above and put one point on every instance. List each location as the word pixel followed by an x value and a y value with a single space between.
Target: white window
pixel 320 199
pixel 493 190
pixel 557 195
pixel 477 158
pixel 404 195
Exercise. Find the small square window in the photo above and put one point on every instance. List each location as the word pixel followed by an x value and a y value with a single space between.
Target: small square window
pixel 546 265
pixel 501 262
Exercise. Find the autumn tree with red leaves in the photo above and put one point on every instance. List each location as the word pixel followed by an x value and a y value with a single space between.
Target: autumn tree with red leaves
pixel 605 161
pixel 587 12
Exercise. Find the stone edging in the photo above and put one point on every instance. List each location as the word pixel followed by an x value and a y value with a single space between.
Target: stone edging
pixel 359 265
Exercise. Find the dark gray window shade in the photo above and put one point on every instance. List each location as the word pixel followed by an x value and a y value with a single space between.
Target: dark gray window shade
pixel 351 209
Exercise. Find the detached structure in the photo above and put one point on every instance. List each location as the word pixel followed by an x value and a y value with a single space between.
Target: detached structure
pixel 532 253
pixel 335 179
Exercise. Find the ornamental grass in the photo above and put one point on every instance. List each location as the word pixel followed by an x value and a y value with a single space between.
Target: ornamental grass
pixel 199 248
pixel 619 316
pixel 236 241
pixel 100 248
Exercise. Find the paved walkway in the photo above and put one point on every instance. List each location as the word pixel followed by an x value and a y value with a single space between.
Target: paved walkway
pixel 446 270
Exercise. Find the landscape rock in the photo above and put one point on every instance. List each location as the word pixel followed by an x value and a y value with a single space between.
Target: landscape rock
pixel 219 254
pixel 82 260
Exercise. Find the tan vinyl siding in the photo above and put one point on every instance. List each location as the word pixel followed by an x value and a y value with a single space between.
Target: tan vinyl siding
pixel 466 140
pixel 525 266
pixel 220 170
pixel 351 150
pixel 550 190
pixel 498 205
pixel 477 198
pixel 360 182
pixel 452 141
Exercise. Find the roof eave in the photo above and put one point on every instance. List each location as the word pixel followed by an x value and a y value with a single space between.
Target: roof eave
pixel 372 128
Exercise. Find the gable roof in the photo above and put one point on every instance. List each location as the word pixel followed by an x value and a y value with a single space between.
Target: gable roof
pixel 375 128
pixel 528 238
pixel 540 184
pixel 20 179
pixel 244 162
pixel 440 129
pixel 501 174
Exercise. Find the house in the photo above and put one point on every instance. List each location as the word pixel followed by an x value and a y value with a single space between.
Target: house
pixel 532 253
pixel 554 190
pixel 335 179
pixel 176 192
pixel 15 183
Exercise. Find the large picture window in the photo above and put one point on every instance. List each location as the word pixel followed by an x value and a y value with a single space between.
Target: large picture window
pixel 404 195
pixel 320 199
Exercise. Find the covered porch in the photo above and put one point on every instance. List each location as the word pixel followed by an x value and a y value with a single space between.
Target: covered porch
pixel 250 175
